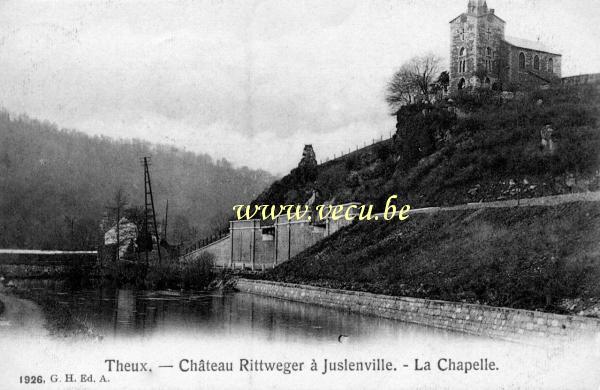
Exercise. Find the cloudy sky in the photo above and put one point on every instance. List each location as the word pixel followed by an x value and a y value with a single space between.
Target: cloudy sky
pixel 250 81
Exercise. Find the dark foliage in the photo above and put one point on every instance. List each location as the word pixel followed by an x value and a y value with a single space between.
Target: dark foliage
pixel 193 274
pixel 55 185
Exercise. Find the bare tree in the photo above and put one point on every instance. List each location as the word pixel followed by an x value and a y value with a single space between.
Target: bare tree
pixel 412 79
pixel 118 203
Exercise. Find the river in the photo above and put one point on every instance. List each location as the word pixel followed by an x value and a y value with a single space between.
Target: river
pixel 114 312
pixel 168 330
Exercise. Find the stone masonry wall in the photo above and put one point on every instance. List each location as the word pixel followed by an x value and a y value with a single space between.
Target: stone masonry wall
pixel 468 40
pixel 490 34
pixel 475 33
pixel 524 78
pixel 495 322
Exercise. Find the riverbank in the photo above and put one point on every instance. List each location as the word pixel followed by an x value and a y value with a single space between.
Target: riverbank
pixel 60 321
pixel 20 316
pixel 481 320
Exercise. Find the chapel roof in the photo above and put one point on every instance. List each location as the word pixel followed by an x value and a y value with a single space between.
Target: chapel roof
pixel 527 44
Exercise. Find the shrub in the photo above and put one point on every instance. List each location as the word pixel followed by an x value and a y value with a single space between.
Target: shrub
pixel 383 151
pixel 163 276
pixel 197 274
pixel 352 162
pixel 191 274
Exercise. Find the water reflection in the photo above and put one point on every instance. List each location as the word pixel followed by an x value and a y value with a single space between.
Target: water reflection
pixel 122 312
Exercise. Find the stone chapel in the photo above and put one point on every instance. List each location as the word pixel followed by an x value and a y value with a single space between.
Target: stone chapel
pixel 482 56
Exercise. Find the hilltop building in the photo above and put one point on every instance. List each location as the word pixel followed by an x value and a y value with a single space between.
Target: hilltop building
pixel 482 56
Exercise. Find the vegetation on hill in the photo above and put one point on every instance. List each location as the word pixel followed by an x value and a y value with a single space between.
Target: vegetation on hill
pixel 478 147
pixel 55 185
pixel 530 257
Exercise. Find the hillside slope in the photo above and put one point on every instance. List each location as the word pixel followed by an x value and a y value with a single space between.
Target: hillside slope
pixel 530 258
pixel 55 185
pixel 476 148
pixel 489 150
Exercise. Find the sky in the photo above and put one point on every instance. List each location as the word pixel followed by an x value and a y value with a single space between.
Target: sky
pixel 249 81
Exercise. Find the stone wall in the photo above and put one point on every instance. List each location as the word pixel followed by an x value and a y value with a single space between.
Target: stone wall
pixel 477 39
pixel 475 32
pixel 292 237
pixel 495 322
pixel 250 245
pixel 463 34
pixel 526 77
pixel 242 235
pixel 220 249
pixel 582 79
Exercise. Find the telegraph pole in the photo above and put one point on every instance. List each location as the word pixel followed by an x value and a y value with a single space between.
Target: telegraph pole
pixel 149 212
pixel 166 219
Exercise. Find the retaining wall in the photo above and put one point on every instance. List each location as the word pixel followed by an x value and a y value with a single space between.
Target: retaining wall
pixel 220 249
pixel 495 322
pixel 247 246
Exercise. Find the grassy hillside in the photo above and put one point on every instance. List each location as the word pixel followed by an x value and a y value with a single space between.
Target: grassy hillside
pixel 55 185
pixel 474 148
pixel 489 151
pixel 531 258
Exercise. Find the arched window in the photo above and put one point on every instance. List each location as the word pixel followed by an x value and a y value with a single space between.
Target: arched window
pixel 551 65
pixel 461 83
pixel 521 61
pixel 488 59
pixel 536 63
pixel 462 63
pixel 487 82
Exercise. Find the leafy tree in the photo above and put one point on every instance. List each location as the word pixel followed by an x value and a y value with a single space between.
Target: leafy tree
pixel 401 89
pixel 412 80
pixel 443 80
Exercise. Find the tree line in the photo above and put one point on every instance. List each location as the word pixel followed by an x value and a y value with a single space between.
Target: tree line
pixel 57 186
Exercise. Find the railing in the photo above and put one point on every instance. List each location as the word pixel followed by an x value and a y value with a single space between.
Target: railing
pixel 206 241
pixel 357 148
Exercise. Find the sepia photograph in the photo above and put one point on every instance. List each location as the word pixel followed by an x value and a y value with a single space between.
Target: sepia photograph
pixel 284 194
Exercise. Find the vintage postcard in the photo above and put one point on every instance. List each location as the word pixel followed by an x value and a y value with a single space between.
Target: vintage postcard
pixel 283 194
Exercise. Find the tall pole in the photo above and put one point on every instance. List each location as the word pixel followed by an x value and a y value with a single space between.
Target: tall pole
pixel 145 230
pixel 118 228
pixel 149 196
pixel 166 220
